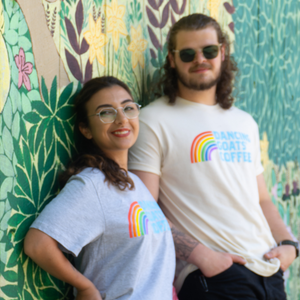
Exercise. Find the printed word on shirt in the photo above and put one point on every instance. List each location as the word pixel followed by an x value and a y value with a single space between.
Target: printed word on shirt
pixel 232 146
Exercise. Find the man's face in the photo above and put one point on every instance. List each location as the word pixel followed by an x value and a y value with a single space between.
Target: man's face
pixel 201 73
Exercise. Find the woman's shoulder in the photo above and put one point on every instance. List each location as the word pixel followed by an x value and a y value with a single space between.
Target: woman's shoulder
pixel 88 176
pixel 139 185
pixel 90 173
pixel 135 178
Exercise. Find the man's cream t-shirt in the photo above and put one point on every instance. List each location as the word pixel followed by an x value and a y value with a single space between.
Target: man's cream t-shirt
pixel 207 159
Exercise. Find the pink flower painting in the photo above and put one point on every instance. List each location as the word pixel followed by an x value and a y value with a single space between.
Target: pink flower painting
pixel 25 68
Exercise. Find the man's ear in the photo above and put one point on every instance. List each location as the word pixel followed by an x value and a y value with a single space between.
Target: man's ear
pixel 84 129
pixel 171 59
pixel 223 47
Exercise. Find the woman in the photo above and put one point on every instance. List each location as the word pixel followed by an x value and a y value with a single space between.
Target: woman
pixel 104 215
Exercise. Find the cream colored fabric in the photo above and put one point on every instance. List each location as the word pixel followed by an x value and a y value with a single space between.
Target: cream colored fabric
pixel 215 200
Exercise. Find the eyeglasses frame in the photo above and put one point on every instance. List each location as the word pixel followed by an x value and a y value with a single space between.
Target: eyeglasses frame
pixel 116 111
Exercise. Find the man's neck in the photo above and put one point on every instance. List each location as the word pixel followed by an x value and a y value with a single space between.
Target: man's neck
pixel 207 97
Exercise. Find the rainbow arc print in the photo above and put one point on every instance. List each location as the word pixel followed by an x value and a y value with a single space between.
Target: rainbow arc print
pixel 138 221
pixel 202 147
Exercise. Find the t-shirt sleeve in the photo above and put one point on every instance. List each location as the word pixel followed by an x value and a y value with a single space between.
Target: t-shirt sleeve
pixel 257 155
pixel 74 218
pixel 146 153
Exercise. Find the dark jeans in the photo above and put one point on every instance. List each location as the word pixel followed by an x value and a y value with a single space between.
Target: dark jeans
pixel 235 283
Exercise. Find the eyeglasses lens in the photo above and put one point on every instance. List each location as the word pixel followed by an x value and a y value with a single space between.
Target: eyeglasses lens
pixel 209 52
pixel 131 111
pixel 108 115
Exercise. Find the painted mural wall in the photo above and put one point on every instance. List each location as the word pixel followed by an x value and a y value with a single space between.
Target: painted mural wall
pixel 49 48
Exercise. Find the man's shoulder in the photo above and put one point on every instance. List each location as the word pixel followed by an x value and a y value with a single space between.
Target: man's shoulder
pixel 155 110
pixel 157 103
pixel 241 114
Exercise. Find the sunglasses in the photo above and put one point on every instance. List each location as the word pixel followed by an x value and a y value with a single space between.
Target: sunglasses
pixel 209 52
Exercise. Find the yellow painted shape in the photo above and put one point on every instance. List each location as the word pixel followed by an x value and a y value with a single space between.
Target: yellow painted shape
pixel 96 39
pixel 137 223
pixel 264 148
pixel 137 46
pixel 213 7
pixel 116 25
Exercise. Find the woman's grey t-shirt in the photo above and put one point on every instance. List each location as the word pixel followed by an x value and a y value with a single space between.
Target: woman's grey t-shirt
pixel 120 239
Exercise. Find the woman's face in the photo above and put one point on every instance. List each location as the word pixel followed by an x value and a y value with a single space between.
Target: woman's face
pixel 110 137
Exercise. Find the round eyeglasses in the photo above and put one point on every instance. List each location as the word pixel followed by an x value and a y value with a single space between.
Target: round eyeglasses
pixel 109 114
pixel 209 52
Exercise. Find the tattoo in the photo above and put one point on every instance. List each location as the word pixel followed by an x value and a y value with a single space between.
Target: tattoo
pixel 184 245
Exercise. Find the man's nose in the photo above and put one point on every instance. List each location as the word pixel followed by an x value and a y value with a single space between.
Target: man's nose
pixel 199 57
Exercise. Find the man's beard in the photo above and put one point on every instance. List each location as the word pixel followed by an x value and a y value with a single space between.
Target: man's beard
pixel 197 84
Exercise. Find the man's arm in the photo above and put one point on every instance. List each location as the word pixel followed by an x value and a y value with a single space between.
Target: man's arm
pixel 188 249
pixel 285 253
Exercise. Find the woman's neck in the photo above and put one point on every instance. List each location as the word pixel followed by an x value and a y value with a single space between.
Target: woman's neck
pixel 120 157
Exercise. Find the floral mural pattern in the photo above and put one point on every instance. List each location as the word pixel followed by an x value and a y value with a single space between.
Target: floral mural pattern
pixel 127 39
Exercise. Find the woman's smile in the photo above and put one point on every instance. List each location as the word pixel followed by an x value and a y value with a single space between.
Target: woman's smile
pixel 120 133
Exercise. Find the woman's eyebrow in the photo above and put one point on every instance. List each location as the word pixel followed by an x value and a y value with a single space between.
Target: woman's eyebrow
pixel 103 105
pixel 127 100
pixel 109 105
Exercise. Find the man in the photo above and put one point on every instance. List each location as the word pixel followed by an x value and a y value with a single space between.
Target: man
pixel 200 157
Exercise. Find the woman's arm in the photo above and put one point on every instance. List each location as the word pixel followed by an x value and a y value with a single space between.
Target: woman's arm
pixel 44 250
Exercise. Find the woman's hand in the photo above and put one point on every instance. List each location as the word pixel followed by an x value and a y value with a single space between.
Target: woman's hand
pixel 90 293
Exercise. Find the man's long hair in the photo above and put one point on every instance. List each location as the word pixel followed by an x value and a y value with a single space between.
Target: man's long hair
pixel 169 81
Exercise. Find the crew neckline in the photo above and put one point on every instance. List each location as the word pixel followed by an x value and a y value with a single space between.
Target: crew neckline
pixel 202 105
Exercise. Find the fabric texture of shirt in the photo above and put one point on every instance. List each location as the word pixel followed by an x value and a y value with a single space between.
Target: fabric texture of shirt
pixel 207 159
pixel 120 239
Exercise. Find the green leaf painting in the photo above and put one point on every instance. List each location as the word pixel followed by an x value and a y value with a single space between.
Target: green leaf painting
pixel 35 183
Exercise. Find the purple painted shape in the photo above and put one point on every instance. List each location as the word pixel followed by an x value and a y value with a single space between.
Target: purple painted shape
pixel 231 26
pixel 211 150
pixel 230 8
pixel 147 225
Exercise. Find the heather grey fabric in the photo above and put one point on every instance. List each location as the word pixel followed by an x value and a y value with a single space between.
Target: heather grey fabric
pixel 120 239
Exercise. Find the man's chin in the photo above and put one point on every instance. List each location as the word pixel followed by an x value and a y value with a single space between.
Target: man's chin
pixel 199 86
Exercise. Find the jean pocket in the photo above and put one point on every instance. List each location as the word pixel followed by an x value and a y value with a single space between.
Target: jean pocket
pixel 222 274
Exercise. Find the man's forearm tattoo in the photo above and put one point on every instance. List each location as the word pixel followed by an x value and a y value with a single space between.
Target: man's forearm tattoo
pixel 184 245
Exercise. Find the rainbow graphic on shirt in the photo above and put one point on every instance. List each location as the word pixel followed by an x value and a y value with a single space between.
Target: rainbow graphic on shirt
pixel 202 147
pixel 138 221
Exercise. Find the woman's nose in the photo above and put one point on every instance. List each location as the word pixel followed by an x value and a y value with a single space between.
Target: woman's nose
pixel 120 117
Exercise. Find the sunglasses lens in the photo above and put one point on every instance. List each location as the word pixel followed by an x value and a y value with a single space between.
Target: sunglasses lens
pixel 187 55
pixel 210 52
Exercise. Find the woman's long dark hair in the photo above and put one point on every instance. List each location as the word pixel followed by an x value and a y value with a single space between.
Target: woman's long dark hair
pixel 90 155
pixel 169 82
